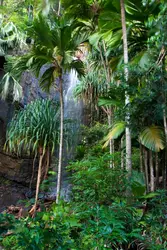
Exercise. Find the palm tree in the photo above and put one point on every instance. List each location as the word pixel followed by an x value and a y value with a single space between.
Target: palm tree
pixel 127 101
pixel 55 44
pixel 34 131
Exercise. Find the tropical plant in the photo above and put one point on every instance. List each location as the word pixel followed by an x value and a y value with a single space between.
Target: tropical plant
pixel 35 131
pixel 55 44
pixel 10 37
pixel 89 175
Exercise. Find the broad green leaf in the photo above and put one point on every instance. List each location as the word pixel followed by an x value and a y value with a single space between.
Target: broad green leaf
pixel 153 138
pixel 115 132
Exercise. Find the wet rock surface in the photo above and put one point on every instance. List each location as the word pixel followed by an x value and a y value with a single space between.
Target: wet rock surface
pixel 11 193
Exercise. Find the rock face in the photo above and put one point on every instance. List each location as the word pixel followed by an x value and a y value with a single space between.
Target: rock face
pixel 19 170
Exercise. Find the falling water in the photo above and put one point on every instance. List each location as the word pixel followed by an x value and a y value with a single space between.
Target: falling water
pixel 72 112
pixel 72 107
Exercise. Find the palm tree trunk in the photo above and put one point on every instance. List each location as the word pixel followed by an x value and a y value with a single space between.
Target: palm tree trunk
pixel 61 141
pixel 111 142
pixel 122 152
pixel 152 186
pixel 141 158
pixel 127 101
pixel 157 170
pixel 59 8
pixel 146 168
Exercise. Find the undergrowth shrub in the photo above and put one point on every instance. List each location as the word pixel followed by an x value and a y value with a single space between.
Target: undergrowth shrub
pixel 76 227
pixel 94 181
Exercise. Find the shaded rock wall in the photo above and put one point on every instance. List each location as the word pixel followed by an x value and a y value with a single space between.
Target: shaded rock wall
pixel 19 170
pixel 13 168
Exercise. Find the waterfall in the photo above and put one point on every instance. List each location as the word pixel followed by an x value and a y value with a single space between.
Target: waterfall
pixel 72 107
pixel 72 112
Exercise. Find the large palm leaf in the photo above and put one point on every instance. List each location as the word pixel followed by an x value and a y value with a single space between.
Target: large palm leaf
pixel 117 129
pixel 153 138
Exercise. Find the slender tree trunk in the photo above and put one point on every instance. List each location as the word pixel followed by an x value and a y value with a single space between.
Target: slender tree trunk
pixel 47 163
pixel 38 183
pixel 111 143
pixel 157 170
pixel 122 152
pixel 146 168
pixel 164 169
pixel 106 67
pixel 59 8
pixel 61 141
pixel 152 186
pixel 127 100
pixel 141 159
pixel 33 170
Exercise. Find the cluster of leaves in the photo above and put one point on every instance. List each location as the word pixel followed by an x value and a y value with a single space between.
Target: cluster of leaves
pixel 88 226
pixel 99 214
pixel 94 181
pixel 70 226
pixel 34 127
pixel 10 37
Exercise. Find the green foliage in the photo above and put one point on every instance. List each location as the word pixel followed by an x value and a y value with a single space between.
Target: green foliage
pixel 7 222
pixel 75 227
pixel 117 129
pixel 49 230
pixel 99 217
pixel 154 221
pixel 93 135
pixel 153 138
pixel 33 128
pixel 10 37
pixel 10 88
pixel 94 181
pixel 50 48
pixel 138 186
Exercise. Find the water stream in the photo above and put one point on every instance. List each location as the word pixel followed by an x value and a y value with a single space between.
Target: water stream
pixel 73 114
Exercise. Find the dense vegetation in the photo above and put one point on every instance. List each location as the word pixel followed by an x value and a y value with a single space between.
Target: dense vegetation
pixel 118 169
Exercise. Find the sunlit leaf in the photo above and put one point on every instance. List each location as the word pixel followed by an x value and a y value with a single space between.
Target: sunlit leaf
pixel 115 132
pixel 153 138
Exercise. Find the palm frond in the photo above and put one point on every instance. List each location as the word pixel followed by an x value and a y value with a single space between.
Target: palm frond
pixel 153 138
pixel 47 79
pixel 9 87
pixel 102 101
pixel 41 32
pixel 115 132
pixel 78 66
